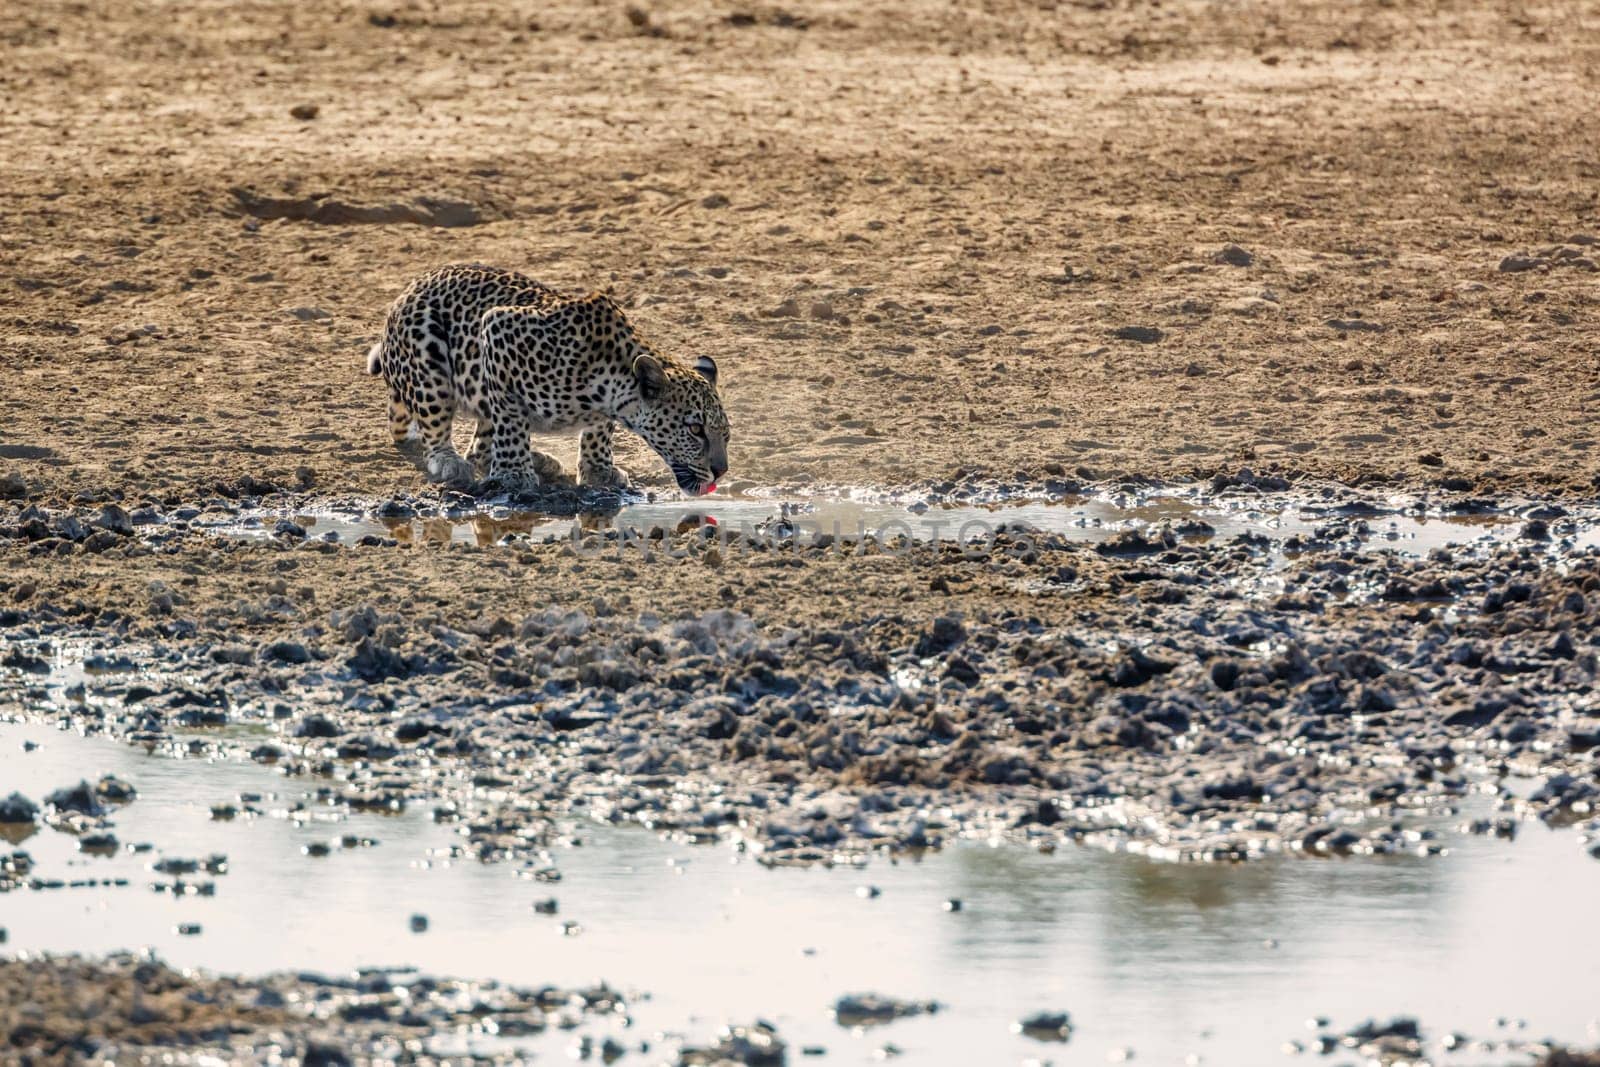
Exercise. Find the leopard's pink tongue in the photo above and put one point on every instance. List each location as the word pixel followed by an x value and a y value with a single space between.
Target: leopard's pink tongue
pixel 712 488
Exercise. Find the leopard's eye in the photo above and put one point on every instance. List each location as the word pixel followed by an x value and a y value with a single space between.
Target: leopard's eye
pixel 697 428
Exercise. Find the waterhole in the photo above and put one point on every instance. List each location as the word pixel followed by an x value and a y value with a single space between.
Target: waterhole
pixel 1279 521
pixel 1493 939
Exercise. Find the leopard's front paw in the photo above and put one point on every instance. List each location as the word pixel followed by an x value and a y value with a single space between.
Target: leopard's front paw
pixel 513 482
pixel 449 468
pixel 604 478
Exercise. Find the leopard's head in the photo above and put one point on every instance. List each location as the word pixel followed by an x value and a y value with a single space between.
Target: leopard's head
pixel 680 416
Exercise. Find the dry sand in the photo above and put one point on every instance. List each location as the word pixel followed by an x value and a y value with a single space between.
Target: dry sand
pixel 908 231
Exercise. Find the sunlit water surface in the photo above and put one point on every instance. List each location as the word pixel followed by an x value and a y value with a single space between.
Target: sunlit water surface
pixel 1165 961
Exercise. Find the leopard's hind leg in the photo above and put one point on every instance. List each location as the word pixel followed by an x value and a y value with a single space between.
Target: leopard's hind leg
pixel 427 396
pixel 403 427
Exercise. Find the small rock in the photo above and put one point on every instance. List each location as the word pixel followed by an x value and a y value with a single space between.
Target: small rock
pixel 287 652
pixel 419 924
pixel 18 809
pixel 873 1009
pixel 100 844
pixel 1145 335
pixel 757 1045
pixel 114 790
pixel 309 314
pixel 79 798
pixel 305 112
pixel 316 726
pixel 1233 256
pixel 1518 264
pixel 114 520
pixel 1044 1026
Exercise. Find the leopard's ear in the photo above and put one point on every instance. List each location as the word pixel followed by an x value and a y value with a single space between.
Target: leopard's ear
pixel 706 367
pixel 652 376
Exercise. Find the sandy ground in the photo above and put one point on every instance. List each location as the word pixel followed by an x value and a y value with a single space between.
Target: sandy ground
pixel 910 233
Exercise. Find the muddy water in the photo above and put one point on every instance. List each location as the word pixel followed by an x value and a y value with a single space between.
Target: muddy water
pixel 1168 961
pixel 1407 526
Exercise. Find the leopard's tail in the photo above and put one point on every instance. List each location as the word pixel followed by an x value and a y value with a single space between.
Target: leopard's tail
pixel 375 359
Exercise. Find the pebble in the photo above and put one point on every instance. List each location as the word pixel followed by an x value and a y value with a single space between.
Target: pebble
pixel 17 809
pixel 1234 256
pixel 1045 1026
pixel 873 1009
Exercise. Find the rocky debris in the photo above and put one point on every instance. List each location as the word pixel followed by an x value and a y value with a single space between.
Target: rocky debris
pixel 1175 675
pixel 874 1009
pixel 64 1009
pixel 756 1045
pixel 1551 257
pixel 1398 1041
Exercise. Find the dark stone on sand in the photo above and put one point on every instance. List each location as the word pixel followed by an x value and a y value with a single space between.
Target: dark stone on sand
pixel 78 798
pixel 114 520
pixel 1045 1026
pixel 872 1009
pixel 18 809
pixel 287 652
pixel 373 662
pixel 1234 256
pixel 317 726
pixel 1145 335
pixel 946 632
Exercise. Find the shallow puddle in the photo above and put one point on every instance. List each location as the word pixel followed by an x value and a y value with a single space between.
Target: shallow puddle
pixel 1192 515
pixel 1164 960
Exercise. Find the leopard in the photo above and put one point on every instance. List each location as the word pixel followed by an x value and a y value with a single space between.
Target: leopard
pixel 521 358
